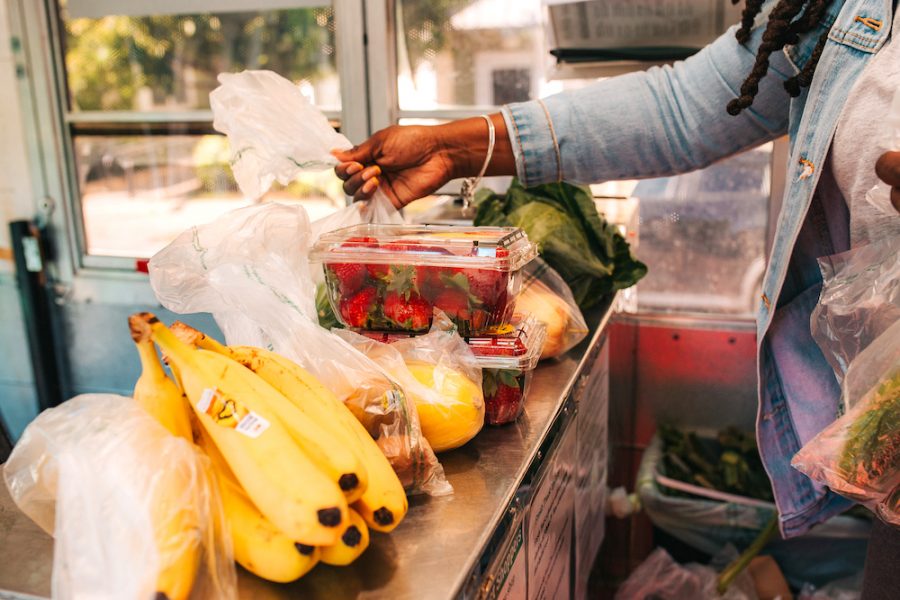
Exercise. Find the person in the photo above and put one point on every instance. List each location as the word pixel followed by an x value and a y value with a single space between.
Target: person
pixel 821 71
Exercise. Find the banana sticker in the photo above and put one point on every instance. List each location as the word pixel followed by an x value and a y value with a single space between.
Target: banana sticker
pixel 226 412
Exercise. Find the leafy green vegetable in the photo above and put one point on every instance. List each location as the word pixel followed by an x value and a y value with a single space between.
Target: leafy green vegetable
pixel 588 252
pixel 729 463
pixel 871 455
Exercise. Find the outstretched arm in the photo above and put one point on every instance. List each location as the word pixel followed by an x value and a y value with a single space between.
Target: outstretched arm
pixel 658 122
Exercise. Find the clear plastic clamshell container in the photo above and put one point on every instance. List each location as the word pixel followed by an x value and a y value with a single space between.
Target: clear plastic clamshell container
pixel 390 277
pixel 507 355
pixel 507 363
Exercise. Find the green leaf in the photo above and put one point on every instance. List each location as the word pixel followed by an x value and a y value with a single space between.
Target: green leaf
pixel 510 377
pixel 562 219
pixel 489 384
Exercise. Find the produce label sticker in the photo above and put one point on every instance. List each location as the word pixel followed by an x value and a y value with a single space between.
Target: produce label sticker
pixel 226 412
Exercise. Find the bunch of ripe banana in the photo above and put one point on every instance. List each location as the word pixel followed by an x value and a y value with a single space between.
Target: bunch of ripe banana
pixel 301 479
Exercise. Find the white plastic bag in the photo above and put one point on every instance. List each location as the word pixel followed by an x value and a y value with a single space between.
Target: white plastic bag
pixel 249 269
pixel 860 299
pixel 275 134
pixel 451 405
pixel 659 577
pixel 123 498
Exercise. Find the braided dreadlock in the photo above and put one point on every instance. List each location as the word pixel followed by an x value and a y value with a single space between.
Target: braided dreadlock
pixel 785 26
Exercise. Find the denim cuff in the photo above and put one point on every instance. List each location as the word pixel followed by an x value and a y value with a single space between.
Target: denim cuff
pixel 533 141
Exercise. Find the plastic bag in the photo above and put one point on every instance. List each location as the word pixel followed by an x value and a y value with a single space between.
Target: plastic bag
pixel 249 268
pixel 889 508
pixel 860 299
pixel 858 456
pixel 439 371
pixel 122 497
pixel 847 588
pixel 275 134
pixel 831 550
pixel 546 295
pixel 659 577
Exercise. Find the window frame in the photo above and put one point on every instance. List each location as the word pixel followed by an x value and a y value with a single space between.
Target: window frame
pixel 41 30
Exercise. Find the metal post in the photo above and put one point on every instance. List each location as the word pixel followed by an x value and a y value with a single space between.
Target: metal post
pixel 29 255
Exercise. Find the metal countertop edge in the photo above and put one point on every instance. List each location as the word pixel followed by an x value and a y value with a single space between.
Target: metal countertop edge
pixel 489 532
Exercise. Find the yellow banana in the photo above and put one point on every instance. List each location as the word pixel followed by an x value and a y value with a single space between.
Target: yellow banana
pixel 317 436
pixel 177 530
pixel 383 504
pixel 258 545
pixel 231 404
pixel 354 541
pixel 158 394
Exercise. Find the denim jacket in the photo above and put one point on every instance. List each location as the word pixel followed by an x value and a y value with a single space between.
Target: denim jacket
pixel 671 120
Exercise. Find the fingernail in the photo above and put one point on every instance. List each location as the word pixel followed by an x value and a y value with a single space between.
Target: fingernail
pixel 371 172
pixel 354 168
pixel 370 186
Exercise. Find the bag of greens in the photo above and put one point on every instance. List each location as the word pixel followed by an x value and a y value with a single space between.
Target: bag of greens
pixel 589 253
pixel 858 456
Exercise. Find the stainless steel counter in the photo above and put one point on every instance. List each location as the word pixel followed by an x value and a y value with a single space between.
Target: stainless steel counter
pixel 441 549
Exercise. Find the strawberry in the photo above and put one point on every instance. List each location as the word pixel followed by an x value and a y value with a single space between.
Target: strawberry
pixel 360 242
pixel 357 310
pixel 378 272
pixel 503 395
pixel 407 311
pixel 429 281
pixel 486 285
pixel 349 276
pixel 455 303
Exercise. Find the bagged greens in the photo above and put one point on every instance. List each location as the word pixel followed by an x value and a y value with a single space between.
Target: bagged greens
pixel 589 253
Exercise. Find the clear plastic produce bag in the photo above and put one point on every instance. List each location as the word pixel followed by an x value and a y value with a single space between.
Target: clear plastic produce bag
pixel 659 577
pixel 440 372
pixel 132 509
pixel 275 134
pixel 249 268
pixel 546 295
pixel 858 455
pixel 860 299
pixel 889 508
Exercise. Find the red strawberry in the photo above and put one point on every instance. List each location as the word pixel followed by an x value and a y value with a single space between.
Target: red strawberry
pixel 407 311
pixel 360 241
pixel 357 310
pixel 486 285
pixel 349 276
pixel 378 272
pixel 428 280
pixel 505 406
pixel 503 395
pixel 455 303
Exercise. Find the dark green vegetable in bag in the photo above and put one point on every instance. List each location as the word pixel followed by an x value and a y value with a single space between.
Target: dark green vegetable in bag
pixel 589 253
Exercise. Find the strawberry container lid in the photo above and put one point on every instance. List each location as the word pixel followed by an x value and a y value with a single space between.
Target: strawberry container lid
pixel 515 346
pixel 498 248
